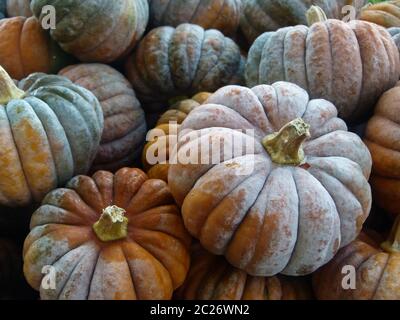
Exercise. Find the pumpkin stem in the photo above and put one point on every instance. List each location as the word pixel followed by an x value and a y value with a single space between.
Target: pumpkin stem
pixel 315 14
pixel 8 89
pixel 392 244
pixel 112 225
pixel 285 147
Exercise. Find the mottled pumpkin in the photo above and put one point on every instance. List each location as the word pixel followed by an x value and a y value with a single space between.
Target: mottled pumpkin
pixel 25 48
pixel 15 8
pixel 213 278
pixel 173 62
pixel 96 30
pixel 223 15
pixel 269 15
pixel 50 131
pixel 124 123
pixel 350 64
pixel 166 132
pixel 377 271
pixel 386 14
pixel 395 33
pixel 108 237
pixel 382 136
pixel 280 186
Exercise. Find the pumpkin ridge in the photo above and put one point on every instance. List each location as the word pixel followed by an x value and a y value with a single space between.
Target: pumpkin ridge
pixel 198 61
pixel 93 273
pixel 122 247
pixel 212 213
pixel 378 283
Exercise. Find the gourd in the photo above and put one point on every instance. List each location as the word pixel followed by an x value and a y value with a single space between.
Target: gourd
pixel 350 64
pixel 212 278
pixel 270 15
pixel 50 131
pixel 124 123
pixel 386 14
pixel 377 271
pixel 25 48
pixel 172 62
pixel 270 179
pixel 15 8
pixel 98 30
pixel 382 134
pixel 166 132
pixel 223 15
pixel 108 237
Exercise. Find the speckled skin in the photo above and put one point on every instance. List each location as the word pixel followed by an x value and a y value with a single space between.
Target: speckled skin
pixel 269 15
pixel 124 123
pixel 149 264
pixel 26 48
pixel 176 114
pixel 382 136
pixel 15 8
pixel 377 274
pixel 350 65
pixel 213 278
pixel 182 61
pixel 395 33
pixel 97 30
pixel 49 136
pixel 223 15
pixel 272 218
pixel 386 14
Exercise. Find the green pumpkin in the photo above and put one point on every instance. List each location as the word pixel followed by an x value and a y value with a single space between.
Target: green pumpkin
pixel 96 30
pixel 50 131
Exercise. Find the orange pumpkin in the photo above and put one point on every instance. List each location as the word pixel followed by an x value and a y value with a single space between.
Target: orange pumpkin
pixel 377 270
pixel 386 14
pixel 382 138
pixel 212 278
pixel 124 123
pixel 271 179
pixel 108 237
pixel 166 129
pixel 26 48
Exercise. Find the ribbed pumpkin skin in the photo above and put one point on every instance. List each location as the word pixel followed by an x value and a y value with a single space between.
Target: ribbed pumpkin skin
pixel 173 62
pixel 223 15
pixel 382 136
pixel 47 138
pixel 349 64
pixel 25 48
pixel 15 8
pixel 168 124
pixel 97 30
pixel 386 14
pixel 269 15
pixel 149 264
pixel 264 217
pixel 212 278
pixel 377 274
pixel 124 123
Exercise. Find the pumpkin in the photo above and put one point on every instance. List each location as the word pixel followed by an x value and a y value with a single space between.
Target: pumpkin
pixel 350 64
pixel 270 179
pixel 166 132
pixel 223 15
pixel 50 130
pixel 25 48
pixel 377 271
pixel 382 135
pixel 96 31
pixel 395 33
pixel 182 61
pixel 270 15
pixel 386 14
pixel 108 237
pixel 124 123
pixel 15 8
pixel 212 278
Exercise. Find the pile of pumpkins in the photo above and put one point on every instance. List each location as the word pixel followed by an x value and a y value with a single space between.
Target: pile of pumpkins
pixel 86 104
